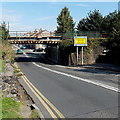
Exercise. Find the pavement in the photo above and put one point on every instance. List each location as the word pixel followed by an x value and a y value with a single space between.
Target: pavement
pixel 102 66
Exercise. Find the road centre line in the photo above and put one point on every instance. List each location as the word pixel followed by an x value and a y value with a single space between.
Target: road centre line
pixel 78 78
pixel 43 99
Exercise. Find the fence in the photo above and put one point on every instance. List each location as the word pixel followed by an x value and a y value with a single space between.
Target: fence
pixel 89 34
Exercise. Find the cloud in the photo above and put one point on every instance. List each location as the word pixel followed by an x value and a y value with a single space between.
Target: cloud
pixel 72 4
pixel 10 15
pixel 11 18
pixel 82 5
pixel 20 27
pixel 76 19
pixel 45 18
pixel 10 11
pixel 24 27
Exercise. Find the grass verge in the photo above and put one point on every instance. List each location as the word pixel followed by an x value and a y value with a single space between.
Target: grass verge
pixel 34 114
pixel 2 65
pixel 10 108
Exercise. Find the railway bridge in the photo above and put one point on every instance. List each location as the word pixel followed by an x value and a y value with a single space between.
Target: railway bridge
pixel 35 41
pixel 21 37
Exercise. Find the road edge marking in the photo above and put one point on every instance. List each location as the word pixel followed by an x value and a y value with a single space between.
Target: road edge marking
pixel 82 79
pixel 41 100
pixel 46 100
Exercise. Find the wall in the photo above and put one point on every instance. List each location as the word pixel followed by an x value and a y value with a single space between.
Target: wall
pixel 65 57
pixel 52 54
pixel 88 57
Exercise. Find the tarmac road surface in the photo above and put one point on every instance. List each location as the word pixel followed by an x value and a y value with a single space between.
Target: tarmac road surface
pixel 62 94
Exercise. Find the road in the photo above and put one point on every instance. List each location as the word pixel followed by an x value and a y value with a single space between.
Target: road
pixel 68 91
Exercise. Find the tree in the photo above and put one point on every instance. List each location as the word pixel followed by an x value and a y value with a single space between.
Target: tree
pixel 91 23
pixel 4 31
pixel 65 22
pixel 113 43
pixel 109 22
pixel 65 29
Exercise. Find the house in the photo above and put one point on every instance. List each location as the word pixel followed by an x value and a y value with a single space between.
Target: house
pixel 44 33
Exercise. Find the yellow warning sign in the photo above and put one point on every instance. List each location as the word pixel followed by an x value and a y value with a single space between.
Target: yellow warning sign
pixel 80 41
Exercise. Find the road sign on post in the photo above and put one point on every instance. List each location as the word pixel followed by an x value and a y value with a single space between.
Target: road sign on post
pixel 80 41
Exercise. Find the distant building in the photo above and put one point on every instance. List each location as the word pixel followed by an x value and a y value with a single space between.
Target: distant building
pixel 44 33
pixel 39 33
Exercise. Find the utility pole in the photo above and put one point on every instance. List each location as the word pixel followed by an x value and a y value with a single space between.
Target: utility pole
pixel 8 27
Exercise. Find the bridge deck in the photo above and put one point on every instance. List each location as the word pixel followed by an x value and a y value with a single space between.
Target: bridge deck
pixel 34 41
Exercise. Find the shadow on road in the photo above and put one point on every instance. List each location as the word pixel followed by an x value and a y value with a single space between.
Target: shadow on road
pixel 40 58
pixel 33 57
pixel 96 71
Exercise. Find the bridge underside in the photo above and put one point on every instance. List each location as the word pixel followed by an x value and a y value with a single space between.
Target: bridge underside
pixel 34 41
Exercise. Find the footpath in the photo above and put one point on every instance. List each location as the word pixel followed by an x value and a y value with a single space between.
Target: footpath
pixel 102 66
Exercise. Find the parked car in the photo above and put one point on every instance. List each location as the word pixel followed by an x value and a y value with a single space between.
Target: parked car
pixel 19 51
pixel 38 50
pixel 23 47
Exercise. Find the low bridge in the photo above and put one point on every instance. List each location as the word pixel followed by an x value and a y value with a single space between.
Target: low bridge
pixel 20 37
pixel 34 41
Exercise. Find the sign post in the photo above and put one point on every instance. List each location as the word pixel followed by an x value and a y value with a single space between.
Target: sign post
pixel 80 41
pixel 77 55
pixel 82 55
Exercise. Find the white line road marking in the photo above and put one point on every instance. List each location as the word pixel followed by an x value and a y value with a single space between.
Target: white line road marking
pixel 78 78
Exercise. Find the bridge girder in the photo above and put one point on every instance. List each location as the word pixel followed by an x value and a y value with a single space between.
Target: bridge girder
pixel 34 41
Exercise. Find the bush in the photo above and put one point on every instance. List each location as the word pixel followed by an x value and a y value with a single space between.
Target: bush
pixel 7 51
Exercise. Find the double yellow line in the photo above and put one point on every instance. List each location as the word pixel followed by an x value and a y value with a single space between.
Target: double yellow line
pixel 45 102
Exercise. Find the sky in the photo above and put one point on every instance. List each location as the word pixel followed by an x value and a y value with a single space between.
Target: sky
pixel 27 16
